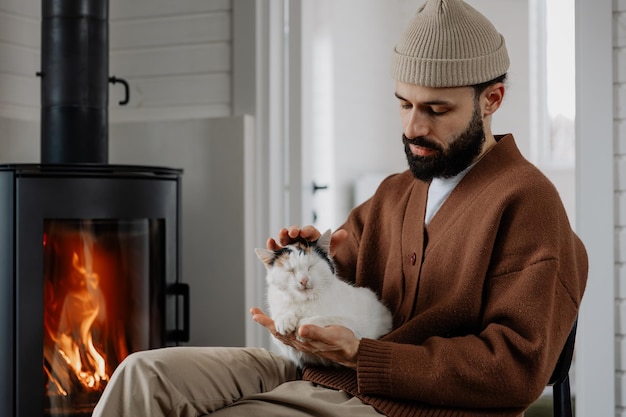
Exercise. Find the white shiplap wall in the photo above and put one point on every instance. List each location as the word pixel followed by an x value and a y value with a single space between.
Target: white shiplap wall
pixel 176 56
pixel 619 47
pixel 20 38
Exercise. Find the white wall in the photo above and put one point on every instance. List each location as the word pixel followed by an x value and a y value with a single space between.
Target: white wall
pixel 353 126
pixel 176 56
pixel 20 40
pixel 619 47
pixel 19 59
pixel 19 86
pixel 596 209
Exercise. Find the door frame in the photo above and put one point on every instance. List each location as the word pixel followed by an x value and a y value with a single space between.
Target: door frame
pixel 266 84
pixel 595 205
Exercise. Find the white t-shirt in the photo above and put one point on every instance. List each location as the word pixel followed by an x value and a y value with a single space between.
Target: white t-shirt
pixel 438 192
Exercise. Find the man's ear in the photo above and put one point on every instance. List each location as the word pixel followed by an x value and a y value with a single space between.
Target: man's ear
pixel 492 98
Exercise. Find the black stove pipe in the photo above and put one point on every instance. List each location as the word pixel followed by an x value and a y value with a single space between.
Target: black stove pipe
pixel 74 81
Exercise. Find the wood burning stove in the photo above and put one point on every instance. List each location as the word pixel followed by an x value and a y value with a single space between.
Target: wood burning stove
pixel 89 274
pixel 89 259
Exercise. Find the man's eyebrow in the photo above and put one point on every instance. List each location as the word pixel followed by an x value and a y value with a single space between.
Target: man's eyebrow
pixel 399 97
pixel 426 103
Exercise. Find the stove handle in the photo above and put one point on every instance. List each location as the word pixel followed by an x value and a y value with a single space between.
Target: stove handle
pixel 180 289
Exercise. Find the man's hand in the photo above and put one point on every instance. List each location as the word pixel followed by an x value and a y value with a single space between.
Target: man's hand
pixel 336 343
pixel 308 233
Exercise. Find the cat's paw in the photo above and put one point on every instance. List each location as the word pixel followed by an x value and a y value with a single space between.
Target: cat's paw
pixel 323 321
pixel 285 324
pixel 320 321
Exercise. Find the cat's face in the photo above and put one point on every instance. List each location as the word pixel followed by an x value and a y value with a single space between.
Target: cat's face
pixel 299 269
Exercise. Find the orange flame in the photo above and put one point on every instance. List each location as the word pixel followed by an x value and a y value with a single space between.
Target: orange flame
pixel 97 297
pixel 72 334
pixel 79 312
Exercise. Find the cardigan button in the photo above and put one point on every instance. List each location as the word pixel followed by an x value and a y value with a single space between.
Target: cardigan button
pixel 413 258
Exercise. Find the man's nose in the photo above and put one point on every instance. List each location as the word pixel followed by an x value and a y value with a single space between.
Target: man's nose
pixel 416 126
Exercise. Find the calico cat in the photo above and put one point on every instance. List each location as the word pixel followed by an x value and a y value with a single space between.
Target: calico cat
pixel 302 288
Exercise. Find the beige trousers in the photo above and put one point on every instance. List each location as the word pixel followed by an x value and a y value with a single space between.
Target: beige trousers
pixel 223 382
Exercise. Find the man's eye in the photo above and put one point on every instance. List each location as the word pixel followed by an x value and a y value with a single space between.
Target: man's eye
pixel 405 106
pixel 437 111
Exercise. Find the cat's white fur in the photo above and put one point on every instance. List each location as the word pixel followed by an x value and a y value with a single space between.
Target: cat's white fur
pixel 303 289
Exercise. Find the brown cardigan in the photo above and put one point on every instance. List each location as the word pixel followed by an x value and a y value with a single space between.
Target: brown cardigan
pixel 483 298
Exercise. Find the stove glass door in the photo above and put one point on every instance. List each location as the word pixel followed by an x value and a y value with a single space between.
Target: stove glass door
pixel 103 299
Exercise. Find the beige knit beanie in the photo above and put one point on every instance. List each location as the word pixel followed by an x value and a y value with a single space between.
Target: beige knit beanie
pixel 448 43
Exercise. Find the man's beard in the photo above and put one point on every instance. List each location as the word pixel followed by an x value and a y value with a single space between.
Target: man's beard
pixel 461 152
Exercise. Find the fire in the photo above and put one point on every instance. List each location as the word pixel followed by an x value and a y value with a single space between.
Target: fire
pixel 74 362
pixel 75 341
pixel 98 297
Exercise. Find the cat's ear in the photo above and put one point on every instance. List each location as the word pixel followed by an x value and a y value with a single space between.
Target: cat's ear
pixel 265 255
pixel 324 241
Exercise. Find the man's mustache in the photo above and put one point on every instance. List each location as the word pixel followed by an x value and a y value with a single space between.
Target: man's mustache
pixel 422 142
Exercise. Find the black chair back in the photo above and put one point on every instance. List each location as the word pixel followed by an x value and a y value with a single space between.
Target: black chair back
pixel 561 393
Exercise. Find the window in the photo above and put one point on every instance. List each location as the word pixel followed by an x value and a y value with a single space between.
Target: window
pixel 553 95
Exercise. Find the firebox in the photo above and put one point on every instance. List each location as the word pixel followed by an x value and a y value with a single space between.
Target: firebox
pixel 88 274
